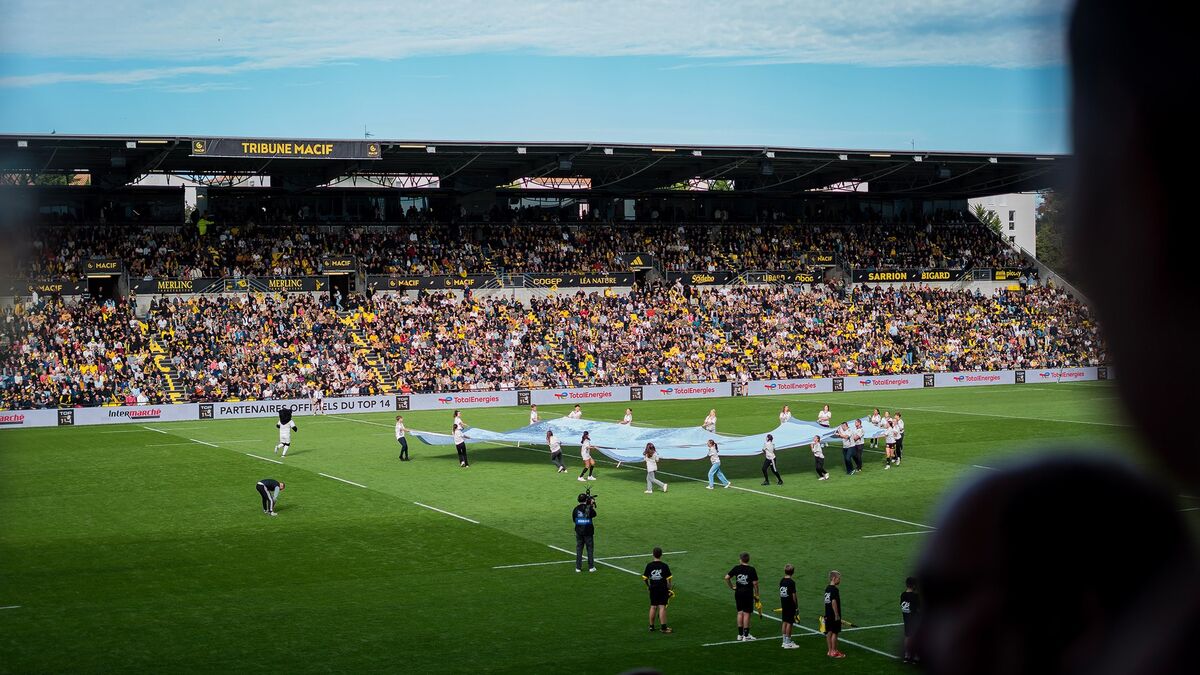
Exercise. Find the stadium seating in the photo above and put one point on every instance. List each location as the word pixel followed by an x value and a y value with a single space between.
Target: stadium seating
pixel 279 346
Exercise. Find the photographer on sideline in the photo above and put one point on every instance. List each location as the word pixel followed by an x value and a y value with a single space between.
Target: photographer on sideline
pixel 582 516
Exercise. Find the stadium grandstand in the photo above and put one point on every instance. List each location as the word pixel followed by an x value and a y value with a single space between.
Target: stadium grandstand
pixel 178 269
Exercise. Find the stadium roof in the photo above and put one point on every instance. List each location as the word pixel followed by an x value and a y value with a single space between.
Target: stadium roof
pixel 610 168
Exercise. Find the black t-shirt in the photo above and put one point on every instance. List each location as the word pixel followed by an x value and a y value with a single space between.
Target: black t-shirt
pixel 657 573
pixel 832 594
pixel 787 592
pixel 582 516
pixel 910 603
pixel 269 483
pixel 743 577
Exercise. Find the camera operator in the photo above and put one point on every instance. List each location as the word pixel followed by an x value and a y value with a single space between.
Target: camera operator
pixel 582 516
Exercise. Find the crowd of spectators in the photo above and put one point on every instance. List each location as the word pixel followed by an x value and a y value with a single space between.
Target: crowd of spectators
pixel 275 346
pixel 209 249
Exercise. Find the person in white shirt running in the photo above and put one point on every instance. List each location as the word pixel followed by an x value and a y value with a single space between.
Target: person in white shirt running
pixel 628 419
pixel 651 455
pixel 585 451
pixel 401 431
pixel 824 416
pixel 714 456
pixel 576 413
pixel 785 414
pixel 710 422
pixel 555 451
pixel 769 461
pixel 818 452
pixel 533 414
pixel 875 419
pixel 460 445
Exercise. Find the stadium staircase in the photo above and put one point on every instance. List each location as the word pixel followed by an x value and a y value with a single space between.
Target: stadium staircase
pixel 368 354
pixel 176 393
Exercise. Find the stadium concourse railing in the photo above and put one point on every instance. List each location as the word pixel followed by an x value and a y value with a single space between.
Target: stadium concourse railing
pixel 17 419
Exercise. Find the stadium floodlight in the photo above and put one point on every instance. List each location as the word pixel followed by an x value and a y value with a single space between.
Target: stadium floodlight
pixel 131 145
pixel 22 144
pixel 431 149
pixel 881 155
pixel 608 151
pixel 992 160
pixel 1044 159
pixel 662 149
pixel 412 146
pixel 771 154
pixel 918 158
pixel 843 157
pixel 520 150
pixel 697 153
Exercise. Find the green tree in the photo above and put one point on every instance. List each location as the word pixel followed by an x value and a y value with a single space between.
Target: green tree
pixel 988 217
pixel 1051 226
pixel 722 185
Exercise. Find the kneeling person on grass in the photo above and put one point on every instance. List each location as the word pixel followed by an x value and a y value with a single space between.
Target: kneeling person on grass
pixel 657 578
pixel 269 489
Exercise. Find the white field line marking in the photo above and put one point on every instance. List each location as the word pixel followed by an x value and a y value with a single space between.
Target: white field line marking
pixel 777 637
pixel 1012 417
pixel 770 494
pixel 434 508
pixel 342 480
pixel 265 459
pixel 813 631
pixel 153 429
pixel 163 445
pixel 606 564
pixel 563 562
pixel 124 431
pixel 895 534
pixel 1194 508
pixel 211 445
pixel 989 468
pixel 11 607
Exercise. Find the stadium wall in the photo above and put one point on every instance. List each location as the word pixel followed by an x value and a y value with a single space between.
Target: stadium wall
pixel 19 419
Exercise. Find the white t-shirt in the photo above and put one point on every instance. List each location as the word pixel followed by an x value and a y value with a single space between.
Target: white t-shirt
pixel 710 423
pixel 575 414
pixel 891 435
pixel 459 437
pixel 844 434
pixel 876 419
pixel 785 416
pixel 400 430
pixel 817 451
pixel 899 428
pixel 458 423
pixel 285 432
pixel 823 417
pixel 533 417
pixel 628 419
pixel 555 445
pixel 713 456
pixel 585 450
pixel 318 394
pixel 856 436
pixel 769 450
pixel 652 462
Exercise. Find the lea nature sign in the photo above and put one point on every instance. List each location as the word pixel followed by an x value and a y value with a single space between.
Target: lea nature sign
pixel 276 148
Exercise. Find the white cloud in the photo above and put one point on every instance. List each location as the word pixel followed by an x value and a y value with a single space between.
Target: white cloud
pixel 222 37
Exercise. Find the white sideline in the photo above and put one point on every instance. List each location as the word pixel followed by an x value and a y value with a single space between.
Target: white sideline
pixel 153 429
pixel 340 479
pixel 777 637
pixel 598 561
pixel 211 445
pixel 1010 417
pixel 813 631
pixel 265 459
pixel 895 534
pixel 11 607
pixel 564 562
pixel 989 468
pixel 434 508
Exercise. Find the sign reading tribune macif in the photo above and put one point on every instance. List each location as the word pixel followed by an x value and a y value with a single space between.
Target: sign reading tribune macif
pixel 282 148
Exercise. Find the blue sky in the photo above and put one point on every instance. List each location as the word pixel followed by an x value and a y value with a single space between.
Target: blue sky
pixel 986 75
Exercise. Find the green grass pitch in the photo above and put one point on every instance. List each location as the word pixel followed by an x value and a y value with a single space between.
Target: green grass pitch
pixel 143 547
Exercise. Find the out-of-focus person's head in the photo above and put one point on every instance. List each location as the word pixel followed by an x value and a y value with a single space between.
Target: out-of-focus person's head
pixel 1036 568
pixel 1129 121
